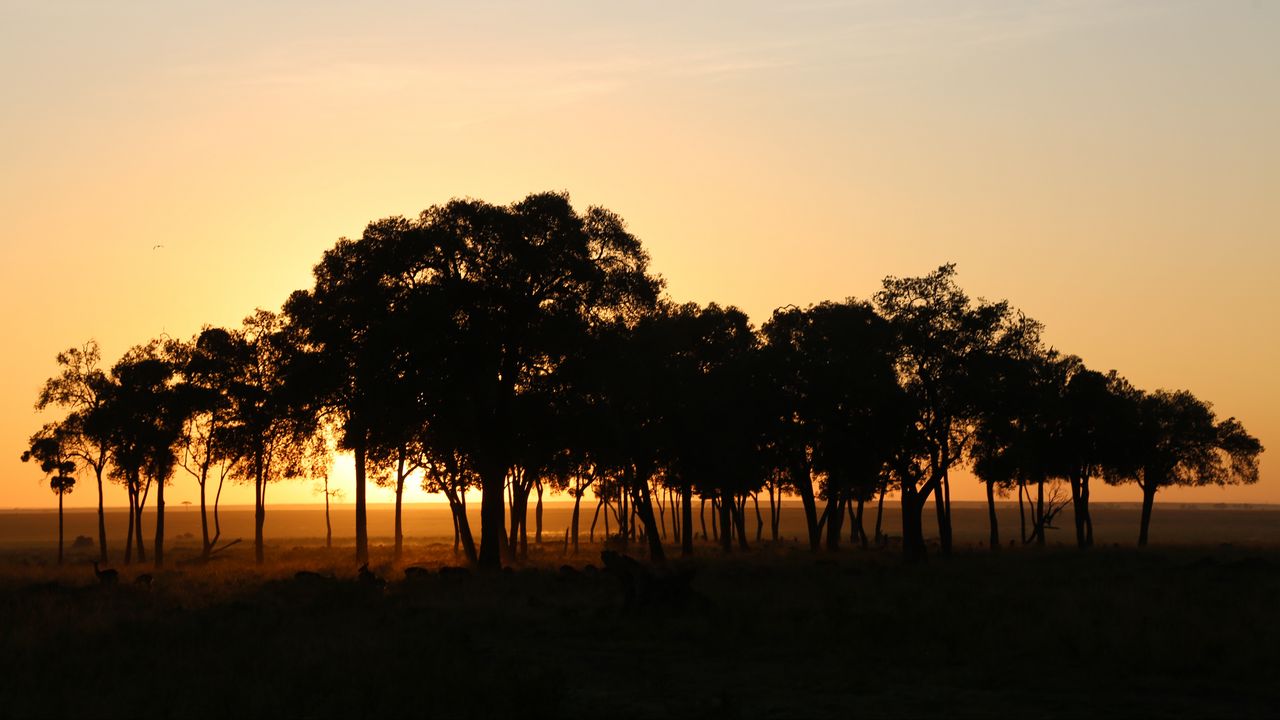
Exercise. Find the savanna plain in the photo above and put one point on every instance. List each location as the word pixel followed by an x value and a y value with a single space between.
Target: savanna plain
pixel 1185 627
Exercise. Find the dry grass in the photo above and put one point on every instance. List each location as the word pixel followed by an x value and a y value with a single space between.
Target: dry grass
pixel 774 633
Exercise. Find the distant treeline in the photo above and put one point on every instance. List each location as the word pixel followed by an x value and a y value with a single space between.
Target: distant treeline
pixel 528 348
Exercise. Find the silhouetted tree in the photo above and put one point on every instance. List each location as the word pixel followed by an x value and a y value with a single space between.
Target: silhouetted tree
pixel 835 362
pixel 48 447
pixel 1177 440
pixel 271 417
pixel 212 367
pixel 79 388
pixel 943 341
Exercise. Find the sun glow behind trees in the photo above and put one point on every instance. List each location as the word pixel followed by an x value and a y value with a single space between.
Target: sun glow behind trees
pixel 1107 166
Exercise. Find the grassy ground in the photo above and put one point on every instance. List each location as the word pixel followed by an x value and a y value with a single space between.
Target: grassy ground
pixel 773 633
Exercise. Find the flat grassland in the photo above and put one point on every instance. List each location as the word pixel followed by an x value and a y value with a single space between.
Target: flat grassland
pixel 1183 629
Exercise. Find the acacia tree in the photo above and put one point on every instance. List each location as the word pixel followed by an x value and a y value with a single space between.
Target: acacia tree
pixel 211 366
pixel 1177 440
pixel 80 388
pixel 48 447
pixel 271 417
pixel 835 364
pixel 1094 415
pixel 943 340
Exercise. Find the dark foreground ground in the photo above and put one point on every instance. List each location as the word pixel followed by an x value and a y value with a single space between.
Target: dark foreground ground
pixel 774 633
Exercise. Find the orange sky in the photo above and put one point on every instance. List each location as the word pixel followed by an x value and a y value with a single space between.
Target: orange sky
pixel 1111 168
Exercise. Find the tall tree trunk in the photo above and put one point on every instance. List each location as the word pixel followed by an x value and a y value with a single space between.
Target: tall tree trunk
pixel 102 519
pixel 398 547
pixel 857 521
pixel 59 526
pixel 1040 522
pixel 755 501
pixel 1148 500
pixel 205 546
pixel 740 520
pixel 159 544
pixel 362 520
pixel 702 517
pixel 573 522
pixel 1022 513
pixel 913 547
pixel 1088 514
pixel 803 483
pixel 492 532
pixel 128 536
pixel 1077 512
pixel 259 513
pixel 686 519
pixel 644 507
pixel 328 525
pixel 591 534
pixel 537 516
pixel 944 529
pixel 994 538
pixel 464 532
pixel 137 528
pixel 835 519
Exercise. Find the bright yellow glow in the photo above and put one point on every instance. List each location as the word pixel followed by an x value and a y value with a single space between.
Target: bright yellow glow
pixel 1112 168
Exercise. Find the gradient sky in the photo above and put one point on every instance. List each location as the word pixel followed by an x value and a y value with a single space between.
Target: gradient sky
pixel 1111 168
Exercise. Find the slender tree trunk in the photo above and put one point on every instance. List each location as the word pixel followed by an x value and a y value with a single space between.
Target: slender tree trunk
pixel 755 500
pixel 686 520
pixel 1040 512
pixel 328 525
pixel 942 498
pixel 137 529
pixel 702 516
pixel 644 507
pixel 740 521
pixel 804 486
pixel 59 526
pixel 453 515
pixel 205 546
pixel 259 513
pixel 464 531
pixel 994 538
pixel 1022 513
pixel 492 532
pixel 573 522
pixel 835 519
pixel 399 546
pixel 591 534
pixel 159 544
pixel 102 519
pixel 362 520
pixel 537 516
pixel 1077 512
pixel 1148 501
pixel 128 536
pixel 1088 514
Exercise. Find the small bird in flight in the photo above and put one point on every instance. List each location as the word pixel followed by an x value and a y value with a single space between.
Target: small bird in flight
pixel 156 247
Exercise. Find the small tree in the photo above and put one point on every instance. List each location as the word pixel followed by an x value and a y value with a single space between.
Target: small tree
pixel 1176 440
pixel 48 447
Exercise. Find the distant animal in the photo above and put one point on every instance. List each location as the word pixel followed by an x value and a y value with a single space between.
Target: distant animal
pixel 454 572
pixel 144 579
pixel 106 577
pixel 369 577
pixel 415 572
